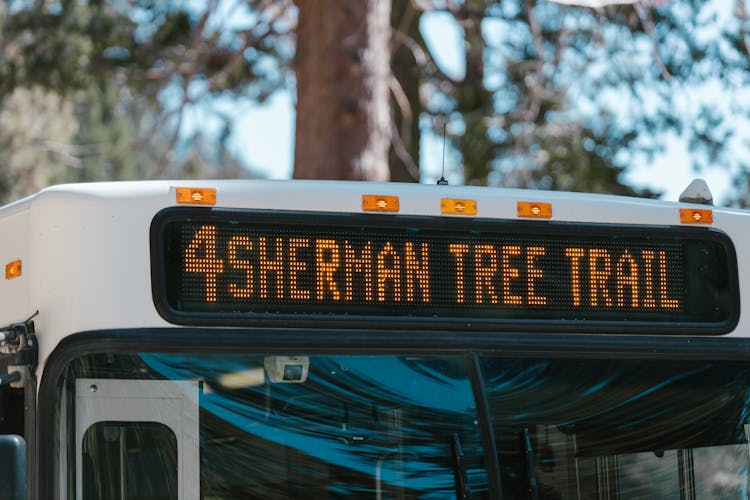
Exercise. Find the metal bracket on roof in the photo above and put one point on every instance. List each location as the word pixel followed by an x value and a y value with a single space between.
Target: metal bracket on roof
pixel 18 347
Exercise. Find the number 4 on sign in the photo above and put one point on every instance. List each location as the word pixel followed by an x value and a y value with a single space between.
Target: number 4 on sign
pixel 200 257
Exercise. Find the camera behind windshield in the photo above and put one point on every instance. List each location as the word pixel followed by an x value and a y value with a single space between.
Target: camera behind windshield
pixel 286 369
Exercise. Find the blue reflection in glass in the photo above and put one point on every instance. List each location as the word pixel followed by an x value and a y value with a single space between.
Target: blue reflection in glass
pixel 386 418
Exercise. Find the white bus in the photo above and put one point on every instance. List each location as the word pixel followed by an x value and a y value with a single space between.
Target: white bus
pixel 281 339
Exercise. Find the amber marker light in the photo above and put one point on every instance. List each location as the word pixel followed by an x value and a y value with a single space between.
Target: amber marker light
pixel 458 207
pixel 198 196
pixel 13 270
pixel 378 203
pixel 696 216
pixel 534 209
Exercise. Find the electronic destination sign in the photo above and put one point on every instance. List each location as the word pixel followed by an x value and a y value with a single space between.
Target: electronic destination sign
pixel 214 266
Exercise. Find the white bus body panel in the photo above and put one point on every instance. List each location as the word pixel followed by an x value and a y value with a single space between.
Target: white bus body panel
pixel 15 298
pixel 86 254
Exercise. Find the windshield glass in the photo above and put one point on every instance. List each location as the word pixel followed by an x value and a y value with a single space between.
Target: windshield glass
pixel 571 428
pixel 280 426
pixel 403 426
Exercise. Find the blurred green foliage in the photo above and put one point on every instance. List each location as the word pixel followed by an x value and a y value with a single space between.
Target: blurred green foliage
pixel 553 96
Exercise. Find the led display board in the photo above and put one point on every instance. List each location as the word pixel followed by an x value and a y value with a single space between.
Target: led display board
pixel 213 266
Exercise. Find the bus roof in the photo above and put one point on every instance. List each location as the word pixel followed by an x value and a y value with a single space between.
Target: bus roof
pixel 302 194
pixel 83 250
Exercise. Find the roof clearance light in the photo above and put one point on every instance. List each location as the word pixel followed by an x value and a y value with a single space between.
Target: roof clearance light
pixel 13 270
pixel 696 216
pixel 196 196
pixel 534 209
pixel 459 207
pixel 378 203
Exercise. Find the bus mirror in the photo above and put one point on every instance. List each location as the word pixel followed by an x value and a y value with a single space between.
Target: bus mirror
pixel 12 467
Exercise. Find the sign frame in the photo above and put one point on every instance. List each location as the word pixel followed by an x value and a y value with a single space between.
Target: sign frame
pixel 436 224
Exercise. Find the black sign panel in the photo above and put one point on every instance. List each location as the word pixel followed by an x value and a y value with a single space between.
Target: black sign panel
pixel 214 266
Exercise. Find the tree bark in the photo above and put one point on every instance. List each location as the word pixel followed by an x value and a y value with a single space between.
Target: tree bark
pixel 343 70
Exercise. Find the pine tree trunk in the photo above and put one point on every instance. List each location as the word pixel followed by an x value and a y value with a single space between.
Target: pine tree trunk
pixel 343 72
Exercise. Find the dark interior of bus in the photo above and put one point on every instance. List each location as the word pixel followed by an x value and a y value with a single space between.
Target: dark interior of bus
pixel 11 406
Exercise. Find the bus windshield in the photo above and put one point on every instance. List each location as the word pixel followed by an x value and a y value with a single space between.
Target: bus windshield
pixel 407 426
pixel 327 426
pixel 573 428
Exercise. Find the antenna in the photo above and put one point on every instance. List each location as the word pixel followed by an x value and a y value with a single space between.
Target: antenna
pixel 442 181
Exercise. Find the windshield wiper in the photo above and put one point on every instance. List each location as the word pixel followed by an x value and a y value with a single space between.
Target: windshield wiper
pixel 463 489
pixel 530 472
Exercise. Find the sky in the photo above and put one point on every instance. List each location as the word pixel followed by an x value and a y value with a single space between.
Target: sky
pixel 264 137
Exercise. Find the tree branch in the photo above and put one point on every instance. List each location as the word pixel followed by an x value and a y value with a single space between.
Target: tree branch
pixel 644 14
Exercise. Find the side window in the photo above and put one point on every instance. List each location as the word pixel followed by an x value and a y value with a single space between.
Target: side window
pixel 129 460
